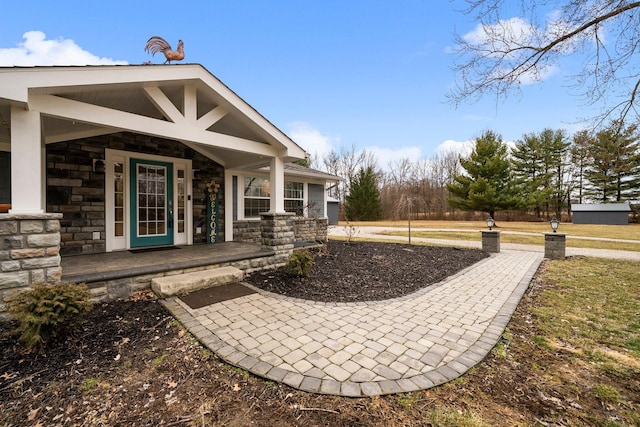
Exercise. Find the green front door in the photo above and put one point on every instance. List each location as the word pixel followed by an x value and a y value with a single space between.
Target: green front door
pixel 151 203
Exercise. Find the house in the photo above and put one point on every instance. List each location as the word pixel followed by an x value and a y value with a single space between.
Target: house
pixel 601 213
pixel 101 159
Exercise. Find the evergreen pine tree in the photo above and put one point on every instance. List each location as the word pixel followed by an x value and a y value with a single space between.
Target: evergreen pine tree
pixel 614 169
pixel 529 173
pixel 487 185
pixel 363 201
pixel 539 164
pixel 580 160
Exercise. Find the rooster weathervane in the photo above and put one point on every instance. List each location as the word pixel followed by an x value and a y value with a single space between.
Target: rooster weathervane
pixel 157 44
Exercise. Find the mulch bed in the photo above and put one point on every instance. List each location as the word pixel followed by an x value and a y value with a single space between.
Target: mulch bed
pixel 131 363
pixel 368 271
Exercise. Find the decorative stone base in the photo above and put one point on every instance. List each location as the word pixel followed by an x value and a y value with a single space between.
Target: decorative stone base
pixel 277 234
pixel 310 229
pixel 305 230
pixel 554 245
pixel 491 241
pixel 29 251
pixel 110 290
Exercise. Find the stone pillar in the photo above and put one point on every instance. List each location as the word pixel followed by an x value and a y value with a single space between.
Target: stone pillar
pixel 277 234
pixel 491 241
pixel 554 245
pixel 29 251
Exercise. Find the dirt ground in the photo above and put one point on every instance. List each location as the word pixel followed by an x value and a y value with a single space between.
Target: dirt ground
pixel 132 364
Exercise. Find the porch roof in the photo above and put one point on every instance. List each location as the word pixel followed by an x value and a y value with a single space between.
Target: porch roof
pixel 183 102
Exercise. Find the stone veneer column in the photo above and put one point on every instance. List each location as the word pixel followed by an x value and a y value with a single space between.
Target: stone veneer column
pixel 277 234
pixel 491 241
pixel 554 245
pixel 29 251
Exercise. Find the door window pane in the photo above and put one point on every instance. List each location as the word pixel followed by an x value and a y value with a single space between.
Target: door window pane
pixel 180 201
pixel 151 200
pixel 118 185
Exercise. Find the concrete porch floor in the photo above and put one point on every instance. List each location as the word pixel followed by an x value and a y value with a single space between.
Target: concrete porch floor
pixel 123 264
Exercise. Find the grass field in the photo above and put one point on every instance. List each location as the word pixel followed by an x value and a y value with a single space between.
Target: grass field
pixel 626 232
pixel 526 233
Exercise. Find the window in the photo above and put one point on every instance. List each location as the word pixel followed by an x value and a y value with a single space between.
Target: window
pixel 294 197
pixel 180 202
pixel 118 203
pixel 257 197
pixel 5 177
pixel 257 194
pixel 152 200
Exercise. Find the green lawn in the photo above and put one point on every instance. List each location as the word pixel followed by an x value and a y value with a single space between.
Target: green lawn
pixel 517 238
pixel 627 232
pixel 469 231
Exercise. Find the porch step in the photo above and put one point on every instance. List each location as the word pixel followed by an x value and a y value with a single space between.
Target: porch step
pixel 189 282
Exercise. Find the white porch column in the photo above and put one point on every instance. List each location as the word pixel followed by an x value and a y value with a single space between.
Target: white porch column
pixel 27 162
pixel 228 206
pixel 276 180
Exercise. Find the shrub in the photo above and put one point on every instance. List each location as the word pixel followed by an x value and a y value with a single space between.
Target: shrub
pixel 299 263
pixel 46 310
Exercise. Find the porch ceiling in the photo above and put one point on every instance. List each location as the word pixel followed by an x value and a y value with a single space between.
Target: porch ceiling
pixel 182 102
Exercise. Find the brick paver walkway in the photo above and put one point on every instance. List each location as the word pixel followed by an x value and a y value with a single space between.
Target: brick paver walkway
pixel 363 349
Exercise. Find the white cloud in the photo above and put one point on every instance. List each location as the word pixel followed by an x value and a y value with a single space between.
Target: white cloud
pixel 389 156
pixel 318 145
pixel 462 148
pixel 501 36
pixel 310 138
pixel 504 39
pixel 37 50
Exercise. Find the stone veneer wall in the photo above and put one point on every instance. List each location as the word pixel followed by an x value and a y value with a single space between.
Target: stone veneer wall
pixel 247 231
pixel 304 230
pixel 76 190
pixel 310 229
pixel 29 251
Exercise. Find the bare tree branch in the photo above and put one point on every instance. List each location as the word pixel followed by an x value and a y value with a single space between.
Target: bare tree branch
pixel 504 53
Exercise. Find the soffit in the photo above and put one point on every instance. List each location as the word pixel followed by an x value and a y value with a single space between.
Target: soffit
pixel 125 92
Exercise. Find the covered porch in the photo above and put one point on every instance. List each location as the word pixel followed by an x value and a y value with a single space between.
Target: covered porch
pixel 106 160
pixel 117 274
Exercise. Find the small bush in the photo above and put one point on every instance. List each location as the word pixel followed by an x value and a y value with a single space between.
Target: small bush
pixel 46 310
pixel 299 263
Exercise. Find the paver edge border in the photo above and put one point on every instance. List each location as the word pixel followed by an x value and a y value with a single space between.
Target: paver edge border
pixel 440 375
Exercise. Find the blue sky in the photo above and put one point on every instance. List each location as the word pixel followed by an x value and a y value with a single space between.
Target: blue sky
pixel 331 74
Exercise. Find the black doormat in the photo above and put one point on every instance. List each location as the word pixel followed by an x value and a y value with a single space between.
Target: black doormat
pixel 199 299
pixel 152 249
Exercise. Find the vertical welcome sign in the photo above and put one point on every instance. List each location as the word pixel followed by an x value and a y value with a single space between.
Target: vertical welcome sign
pixel 213 189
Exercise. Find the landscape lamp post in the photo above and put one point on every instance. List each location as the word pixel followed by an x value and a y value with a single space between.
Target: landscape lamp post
pixel 491 239
pixel 554 243
pixel 490 223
